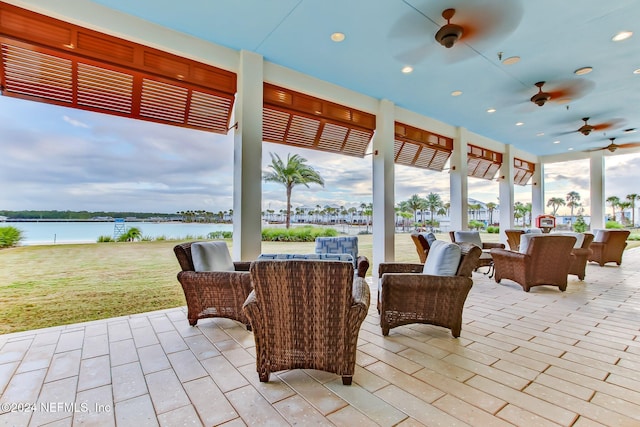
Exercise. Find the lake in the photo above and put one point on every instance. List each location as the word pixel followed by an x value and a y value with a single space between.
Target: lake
pixel 47 233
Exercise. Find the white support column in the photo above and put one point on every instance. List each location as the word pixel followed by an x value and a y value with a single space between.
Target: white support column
pixel 597 189
pixel 505 191
pixel 458 185
pixel 247 159
pixel 383 186
pixel 537 191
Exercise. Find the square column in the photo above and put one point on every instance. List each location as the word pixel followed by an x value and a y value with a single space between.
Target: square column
pixel 458 184
pixel 505 191
pixel 596 177
pixel 247 159
pixel 537 191
pixel 383 177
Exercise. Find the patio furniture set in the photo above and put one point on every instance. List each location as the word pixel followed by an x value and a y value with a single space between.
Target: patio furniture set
pixel 305 310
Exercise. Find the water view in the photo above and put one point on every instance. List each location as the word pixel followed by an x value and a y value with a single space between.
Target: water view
pixel 47 233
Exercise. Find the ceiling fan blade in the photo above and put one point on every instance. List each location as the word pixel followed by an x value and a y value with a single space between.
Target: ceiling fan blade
pixel 629 145
pixel 565 91
pixel 415 55
pixel 608 125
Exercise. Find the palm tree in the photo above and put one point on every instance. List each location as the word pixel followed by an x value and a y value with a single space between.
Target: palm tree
pixel 573 201
pixel 632 199
pixel 290 174
pixel 520 211
pixel 491 207
pixel 555 203
pixel 432 203
pixel 623 205
pixel 614 201
pixel 415 203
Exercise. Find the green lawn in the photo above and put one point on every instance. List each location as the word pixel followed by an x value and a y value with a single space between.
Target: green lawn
pixel 43 286
pixel 52 285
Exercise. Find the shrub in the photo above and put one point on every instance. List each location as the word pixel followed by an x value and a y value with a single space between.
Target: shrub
pixel 10 236
pixel 475 225
pixel 493 229
pixel 580 226
pixel 220 235
pixel 306 233
pixel 613 224
pixel 104 239
pixel 132 234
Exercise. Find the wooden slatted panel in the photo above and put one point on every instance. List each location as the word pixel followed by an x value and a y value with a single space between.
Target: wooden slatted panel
pixel 482 163
pixel 37 75
pixel 209 111
pixel 162 101
pixel 440 160
pixel 274 124
pixel 491 171
pixel 523 171
pixel 299 119
pixel 303 131
pixel 357 142
pixel 407 154
pixel 104 89
pixel 425 157
pixel 49 60
pixel 332 137
pixel 421 148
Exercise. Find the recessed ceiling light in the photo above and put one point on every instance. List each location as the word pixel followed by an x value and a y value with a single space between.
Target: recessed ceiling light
pixel 337 37
pixel 556 142
pixel 636 71
pixel 540 134
pixel 511 60
pixel 456 93
pixel 582 71
pixel 491 110
pixel 519 124
pixel 570 148
pixel 408 69
pixel 622 35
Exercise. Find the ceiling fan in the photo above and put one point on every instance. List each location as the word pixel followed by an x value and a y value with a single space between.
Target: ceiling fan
pixel 613 146
pixel 587 128
pixel 562 92
pixel 449 33
pixel 480 24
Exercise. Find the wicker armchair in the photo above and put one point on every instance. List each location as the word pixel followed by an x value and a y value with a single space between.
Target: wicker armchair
pixel 579 262
pixel 213 293
pixel 406 296
pixel 608 246
pixel 485 259
pixel 422 245
pixel 545 262
pixel 513 238
pixel 306 314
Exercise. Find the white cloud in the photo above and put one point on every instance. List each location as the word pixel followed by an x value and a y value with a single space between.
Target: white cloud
pixel 74 122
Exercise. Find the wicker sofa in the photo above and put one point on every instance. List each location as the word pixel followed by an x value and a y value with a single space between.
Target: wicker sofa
pixel 306 314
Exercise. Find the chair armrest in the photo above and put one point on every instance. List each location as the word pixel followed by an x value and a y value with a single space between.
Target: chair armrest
pixel 251 309
pixel 399 267
pixel 491 245
pixel 363 265
pixel 418 286
pixel 361 293
pixel 193 280
pixel 242 265
pixel 506 254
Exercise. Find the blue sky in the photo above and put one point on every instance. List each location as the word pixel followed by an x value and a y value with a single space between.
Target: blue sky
pixel 61 158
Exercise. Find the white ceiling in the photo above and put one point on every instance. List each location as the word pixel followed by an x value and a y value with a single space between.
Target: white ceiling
pixel 553 38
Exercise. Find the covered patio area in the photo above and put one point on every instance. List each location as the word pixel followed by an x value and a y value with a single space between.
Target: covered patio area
pixel 538 358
